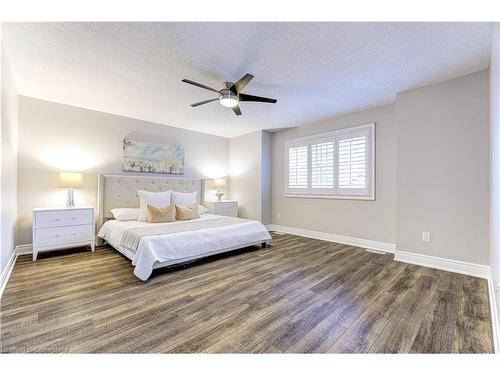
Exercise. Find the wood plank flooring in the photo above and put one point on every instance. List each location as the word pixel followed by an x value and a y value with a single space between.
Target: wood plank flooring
pixel 299 296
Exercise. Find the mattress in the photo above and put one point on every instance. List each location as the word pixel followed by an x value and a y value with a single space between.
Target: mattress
pixel 181 244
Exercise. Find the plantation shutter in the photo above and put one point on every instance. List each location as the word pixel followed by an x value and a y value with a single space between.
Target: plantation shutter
pixel 322 166
pixel 298 171
pixel 353 163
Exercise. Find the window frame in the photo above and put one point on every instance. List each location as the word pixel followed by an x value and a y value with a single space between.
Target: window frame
pixel 368 193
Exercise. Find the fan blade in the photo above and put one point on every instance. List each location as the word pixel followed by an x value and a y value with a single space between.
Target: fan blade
pixel 199 85
pixel 253 98
pixel 240 85
pixel 204 102
pixel 237 110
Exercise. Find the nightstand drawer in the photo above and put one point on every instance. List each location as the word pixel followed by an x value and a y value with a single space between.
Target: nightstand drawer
pixel 48 219
pixel 60 236
pixel 226 211
pixel 225 207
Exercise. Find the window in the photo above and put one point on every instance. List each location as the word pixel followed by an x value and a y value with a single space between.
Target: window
pixel 337 164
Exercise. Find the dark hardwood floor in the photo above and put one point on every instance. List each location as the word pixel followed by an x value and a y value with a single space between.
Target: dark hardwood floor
pixel 299 296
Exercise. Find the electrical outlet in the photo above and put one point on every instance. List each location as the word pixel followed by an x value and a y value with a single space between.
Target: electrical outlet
pixel 278 215
pixel 497 287
pixel 426 236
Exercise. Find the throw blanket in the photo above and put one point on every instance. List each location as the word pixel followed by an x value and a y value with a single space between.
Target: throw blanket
pixel 132 237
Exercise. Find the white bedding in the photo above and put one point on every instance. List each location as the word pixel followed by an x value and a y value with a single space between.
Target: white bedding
pixel 181 246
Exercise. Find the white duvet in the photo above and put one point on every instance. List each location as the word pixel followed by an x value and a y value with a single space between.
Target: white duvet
pixel 182 245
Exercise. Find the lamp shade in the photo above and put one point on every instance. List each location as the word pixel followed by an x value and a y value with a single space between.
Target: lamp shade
pixel 219 183
pixel 70 180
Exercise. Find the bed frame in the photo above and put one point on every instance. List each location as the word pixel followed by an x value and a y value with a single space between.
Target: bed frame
pixel 116 191
pixel 119 191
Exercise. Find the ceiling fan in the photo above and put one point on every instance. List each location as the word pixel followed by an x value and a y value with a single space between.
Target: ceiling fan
pixel 230 95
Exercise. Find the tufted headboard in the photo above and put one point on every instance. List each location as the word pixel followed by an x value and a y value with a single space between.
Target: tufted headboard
pixel 116 191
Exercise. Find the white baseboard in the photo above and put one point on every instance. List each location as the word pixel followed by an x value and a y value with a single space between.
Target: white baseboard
pixel 24 249
pixel 457 266
pixel 346 240
pixel 19 250
pixel 7 271
pixel 495 323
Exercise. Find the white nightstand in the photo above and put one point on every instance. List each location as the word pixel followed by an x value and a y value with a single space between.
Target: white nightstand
pixel 224 208
pixel 60 228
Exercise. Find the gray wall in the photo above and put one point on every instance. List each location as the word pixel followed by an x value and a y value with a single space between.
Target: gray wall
pixel 495 163
pixel 373 220
pixel 266 177
pixel 8 174
pixel 250 174
pixel 442 170
pixel 54 136
pixel 245 174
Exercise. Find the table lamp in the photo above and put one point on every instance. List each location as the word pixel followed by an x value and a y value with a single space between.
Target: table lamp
pixel 70 180
pixel 219 183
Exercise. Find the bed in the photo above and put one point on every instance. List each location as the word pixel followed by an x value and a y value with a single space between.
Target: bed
pixel 156 245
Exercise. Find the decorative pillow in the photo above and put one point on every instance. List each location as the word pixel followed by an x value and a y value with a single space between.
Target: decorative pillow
pixel 161 215
pixel 184 199
pixel 202 210
pixel 187 213
pixel 160 199
pixel 124 214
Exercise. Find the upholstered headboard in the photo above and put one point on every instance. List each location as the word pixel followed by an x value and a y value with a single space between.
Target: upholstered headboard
pixel 116 191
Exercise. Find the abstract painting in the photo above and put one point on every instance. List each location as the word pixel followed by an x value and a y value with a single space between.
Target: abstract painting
pixel 152 154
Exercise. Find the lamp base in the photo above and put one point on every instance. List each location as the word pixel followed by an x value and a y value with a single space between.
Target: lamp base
pixel 70 200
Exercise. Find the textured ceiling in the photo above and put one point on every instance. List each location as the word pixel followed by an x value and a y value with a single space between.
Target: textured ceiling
pixel 315 70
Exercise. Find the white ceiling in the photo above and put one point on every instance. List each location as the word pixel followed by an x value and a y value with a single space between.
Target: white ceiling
pixel 315 70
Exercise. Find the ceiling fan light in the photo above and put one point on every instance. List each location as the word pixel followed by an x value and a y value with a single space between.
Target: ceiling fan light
pixel 228 100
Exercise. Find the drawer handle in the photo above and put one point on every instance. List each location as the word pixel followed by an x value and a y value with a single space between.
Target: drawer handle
pixel 74 218
pixel 74 234
pixel 57 219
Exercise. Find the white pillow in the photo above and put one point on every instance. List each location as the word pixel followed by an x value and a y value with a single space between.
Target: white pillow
pixel 202 210
pixel 184 199
pixel 124 214
pixel 158 200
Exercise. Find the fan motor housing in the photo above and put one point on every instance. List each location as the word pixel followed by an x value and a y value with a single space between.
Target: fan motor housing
pixel 227 93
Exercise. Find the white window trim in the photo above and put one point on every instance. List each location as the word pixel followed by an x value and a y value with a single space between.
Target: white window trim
pixel 370 127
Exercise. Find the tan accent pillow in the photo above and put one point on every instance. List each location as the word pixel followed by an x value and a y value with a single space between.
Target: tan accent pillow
pixel 187 213
pixel 161 215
